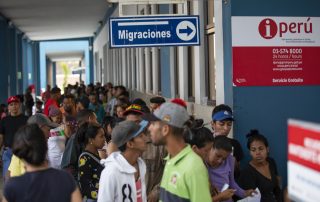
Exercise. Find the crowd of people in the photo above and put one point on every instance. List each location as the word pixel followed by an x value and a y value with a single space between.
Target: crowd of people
pixel 93 143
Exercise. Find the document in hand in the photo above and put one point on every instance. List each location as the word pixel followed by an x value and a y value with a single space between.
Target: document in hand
pixel 254 198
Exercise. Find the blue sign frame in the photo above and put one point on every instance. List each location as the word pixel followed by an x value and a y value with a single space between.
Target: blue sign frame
pixel 154 31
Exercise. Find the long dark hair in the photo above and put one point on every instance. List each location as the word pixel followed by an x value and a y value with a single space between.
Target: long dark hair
pixel 254 135
pixel 199 137
pixel 222 142
pixel 87 131
pixel 30 144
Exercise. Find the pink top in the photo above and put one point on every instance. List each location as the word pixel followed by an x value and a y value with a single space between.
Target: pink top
pixel 139 190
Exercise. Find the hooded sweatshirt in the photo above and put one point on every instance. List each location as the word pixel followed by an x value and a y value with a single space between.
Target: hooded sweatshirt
pixel 117 181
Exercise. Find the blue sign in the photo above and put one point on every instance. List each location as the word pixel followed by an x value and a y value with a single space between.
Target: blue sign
pixel 154 31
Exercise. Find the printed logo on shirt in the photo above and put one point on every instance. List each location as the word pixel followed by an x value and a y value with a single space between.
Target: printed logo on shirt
pixel 139 190
pixel 127 193
pixel 174 179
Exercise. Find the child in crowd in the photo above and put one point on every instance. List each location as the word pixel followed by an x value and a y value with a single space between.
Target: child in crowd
pixel 55 114
pixel 57 138
pixel 201 141
pixel 221 167
pixel 120 109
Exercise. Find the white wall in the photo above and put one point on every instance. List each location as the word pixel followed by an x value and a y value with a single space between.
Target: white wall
pixel 121 66
pixel 98 44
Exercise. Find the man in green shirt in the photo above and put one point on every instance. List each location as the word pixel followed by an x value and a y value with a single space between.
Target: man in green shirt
pixel 185 177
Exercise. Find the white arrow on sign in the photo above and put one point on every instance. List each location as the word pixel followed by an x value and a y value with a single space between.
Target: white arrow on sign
pixel 186 30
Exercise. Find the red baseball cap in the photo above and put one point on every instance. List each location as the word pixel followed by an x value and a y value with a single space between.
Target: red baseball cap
pixel 180 102
pixel 13 99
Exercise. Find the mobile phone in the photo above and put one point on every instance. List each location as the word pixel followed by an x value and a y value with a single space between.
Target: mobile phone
pixel 224 187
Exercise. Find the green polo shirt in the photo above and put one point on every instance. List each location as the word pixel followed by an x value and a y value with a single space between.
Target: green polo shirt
pixel 185 178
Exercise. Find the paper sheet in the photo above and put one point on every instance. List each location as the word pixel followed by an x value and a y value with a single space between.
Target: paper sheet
pixel 255 198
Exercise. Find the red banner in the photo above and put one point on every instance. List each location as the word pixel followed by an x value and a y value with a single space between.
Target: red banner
pixel 276 66
pixel 304 146
pixel 275 51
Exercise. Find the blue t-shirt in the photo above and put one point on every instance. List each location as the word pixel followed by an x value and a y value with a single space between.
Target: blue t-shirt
pixel 49 185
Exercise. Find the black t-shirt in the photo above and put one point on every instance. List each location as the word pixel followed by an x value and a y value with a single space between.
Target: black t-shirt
pixel 250 178
pixel 9 126
pixel 238 155
pixel 71 155
pixel 50 185
pixel 89 174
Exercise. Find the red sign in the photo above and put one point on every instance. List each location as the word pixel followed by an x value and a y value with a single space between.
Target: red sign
pixel 303 161
pixel 275 51
pixel 304 146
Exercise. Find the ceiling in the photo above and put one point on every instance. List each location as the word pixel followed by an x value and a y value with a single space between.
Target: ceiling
pixel 55 19
pixel 65 56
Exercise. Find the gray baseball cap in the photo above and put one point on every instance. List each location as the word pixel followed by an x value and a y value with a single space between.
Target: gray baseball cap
pixel 41 120
pixel 171 113
pixel 126 130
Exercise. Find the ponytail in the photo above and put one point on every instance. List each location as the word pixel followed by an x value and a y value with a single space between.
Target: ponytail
pixel 254 135
pixel 81 133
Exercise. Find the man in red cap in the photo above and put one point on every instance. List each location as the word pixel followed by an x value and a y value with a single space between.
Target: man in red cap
pixel 8 127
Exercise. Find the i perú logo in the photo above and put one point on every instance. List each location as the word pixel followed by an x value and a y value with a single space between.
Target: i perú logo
pixel 268 28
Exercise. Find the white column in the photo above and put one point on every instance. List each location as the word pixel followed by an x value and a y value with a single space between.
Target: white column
pixel 133 65
pixel 183 64
pixel 147 61
pixel 114 63
pixel 137 69
pixel 141 70
pixel 119 67
pixel 105 64
pixel 155 71
pixel 110 63
pixel 155 62
pixel 183 72
pixel 116 66
pixel 128 69
pixel 172 65
pixel 102 70
pixel 172 72
pixel 148 69
pixel 124 66
pixel 199 58
pixel 220 88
